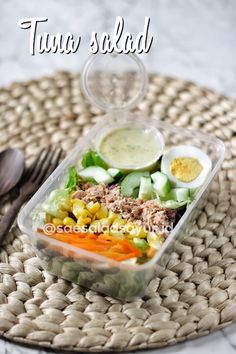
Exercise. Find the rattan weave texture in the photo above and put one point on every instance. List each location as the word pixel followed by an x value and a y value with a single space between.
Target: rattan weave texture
pixel 194 295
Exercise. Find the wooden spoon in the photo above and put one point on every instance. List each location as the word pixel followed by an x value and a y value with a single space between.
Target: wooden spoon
pixel 12 164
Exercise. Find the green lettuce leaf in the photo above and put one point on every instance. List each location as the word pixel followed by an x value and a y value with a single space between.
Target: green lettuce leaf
pixel 91 158
pixel 173 204
pixel 72 179
pixel 52 205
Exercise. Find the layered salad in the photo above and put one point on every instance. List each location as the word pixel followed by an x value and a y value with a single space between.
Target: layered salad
pixel 124 197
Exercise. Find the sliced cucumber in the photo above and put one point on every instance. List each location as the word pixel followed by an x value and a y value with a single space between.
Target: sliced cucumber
pixel 96 173
pixel 115 173
pixel 135 192
pixel 161 183
pixel 145 189
pixel 132 181
pixel 178 194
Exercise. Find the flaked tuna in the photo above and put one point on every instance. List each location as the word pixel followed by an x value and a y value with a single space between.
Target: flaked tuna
pixel 146 213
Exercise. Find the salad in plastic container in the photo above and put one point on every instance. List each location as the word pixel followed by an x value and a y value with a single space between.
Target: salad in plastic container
pixel 111 214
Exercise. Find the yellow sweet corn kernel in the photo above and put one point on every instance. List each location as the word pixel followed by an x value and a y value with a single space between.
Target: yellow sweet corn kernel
pixel 95 222
pixel 86 220
pixel 117 234
pixel 101 213
pixel 66 206
pixel 128 236
pixel 93 207
pixel 95 226
pixel 100 226
pixel 105 221
pixel 85 213
pixel 94 217
pixel 62 214
pixel 129 226
pixel 80 222
pixel 112 215
pixel 77 210
pixel 138 232
pixel 57 221
pixel 118 223
pixel 69 221
pixel 78 203
pixel 76 213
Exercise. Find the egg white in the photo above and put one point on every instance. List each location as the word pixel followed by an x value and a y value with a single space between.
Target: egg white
pixel 186 151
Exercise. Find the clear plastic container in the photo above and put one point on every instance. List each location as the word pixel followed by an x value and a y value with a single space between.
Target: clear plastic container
pixel 119 280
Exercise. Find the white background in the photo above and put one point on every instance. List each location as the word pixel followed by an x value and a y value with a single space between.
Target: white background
pixel 194 39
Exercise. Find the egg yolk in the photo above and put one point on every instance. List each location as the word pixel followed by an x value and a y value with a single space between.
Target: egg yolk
pixel 185 169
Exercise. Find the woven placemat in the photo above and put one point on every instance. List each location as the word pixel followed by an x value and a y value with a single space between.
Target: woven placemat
pixel 194 295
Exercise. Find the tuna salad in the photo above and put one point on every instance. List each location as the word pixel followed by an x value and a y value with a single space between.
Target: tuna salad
pixel 122 215
pixel 145 213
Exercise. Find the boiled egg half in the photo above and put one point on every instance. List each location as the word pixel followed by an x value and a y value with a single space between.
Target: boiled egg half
pixel 186 166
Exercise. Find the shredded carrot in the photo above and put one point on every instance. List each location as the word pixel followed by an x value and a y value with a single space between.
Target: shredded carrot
pixel 102 244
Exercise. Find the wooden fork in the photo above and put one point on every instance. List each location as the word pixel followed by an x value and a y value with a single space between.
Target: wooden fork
pixel 44 164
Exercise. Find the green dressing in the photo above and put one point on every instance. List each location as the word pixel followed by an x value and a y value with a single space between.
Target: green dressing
pixel 130 147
